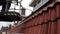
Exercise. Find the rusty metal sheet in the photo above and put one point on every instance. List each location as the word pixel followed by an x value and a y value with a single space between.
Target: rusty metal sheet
pixel 46 17
pixel 53 14
pixel 41 29
pixel 30 23
pixel 49 13
pixel 36 20
pixel 53 28
pixel 49 28
pixel 45 28
pixel 41 19
pixel 33 21
pixel 58 11
pixel 58 26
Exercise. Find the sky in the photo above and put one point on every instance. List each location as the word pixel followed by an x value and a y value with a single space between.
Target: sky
pixel 25 4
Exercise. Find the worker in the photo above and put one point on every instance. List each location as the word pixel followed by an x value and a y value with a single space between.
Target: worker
pixel 5 5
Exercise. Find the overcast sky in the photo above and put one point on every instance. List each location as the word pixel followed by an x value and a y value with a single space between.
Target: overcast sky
pixel 25 4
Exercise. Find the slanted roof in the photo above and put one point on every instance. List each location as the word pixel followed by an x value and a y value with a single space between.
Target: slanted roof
pixel 33 3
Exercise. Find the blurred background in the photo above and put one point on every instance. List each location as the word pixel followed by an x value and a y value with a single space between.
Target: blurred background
pixel 24 3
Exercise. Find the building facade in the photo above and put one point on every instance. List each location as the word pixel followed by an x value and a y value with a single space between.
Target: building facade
pixel 44 20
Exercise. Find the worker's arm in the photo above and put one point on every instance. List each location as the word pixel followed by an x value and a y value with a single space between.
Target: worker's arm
pixel 6 5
